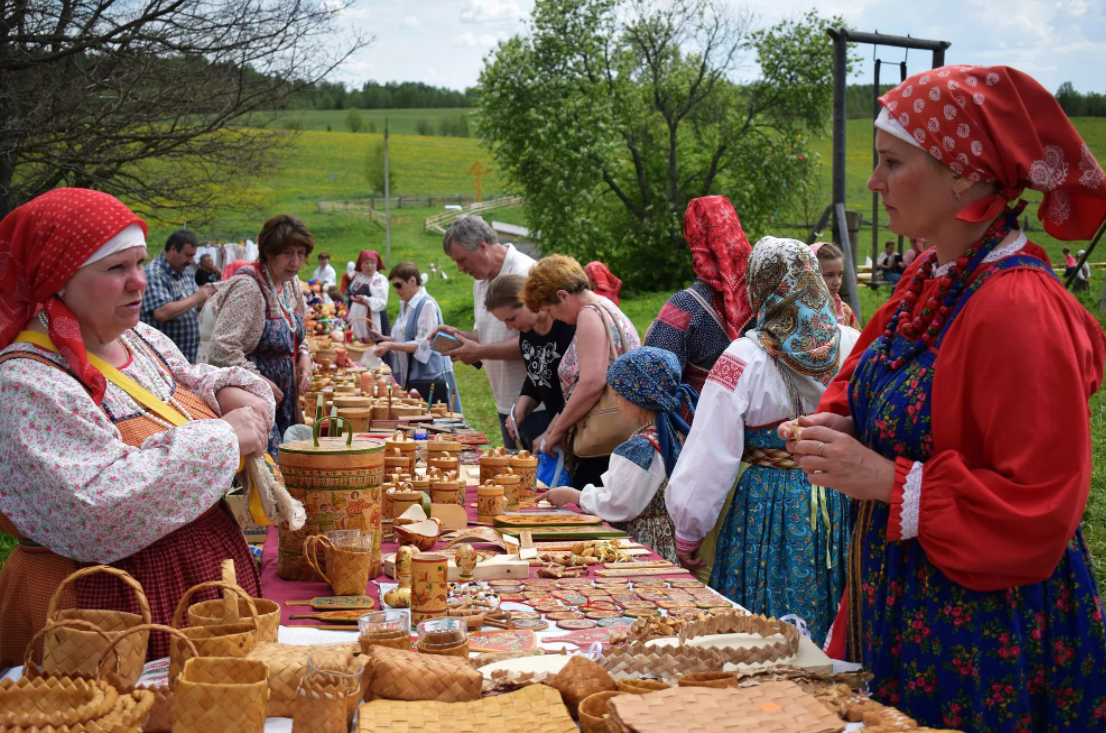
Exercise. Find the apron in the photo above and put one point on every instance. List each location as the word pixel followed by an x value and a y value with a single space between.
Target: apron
pixel 275 359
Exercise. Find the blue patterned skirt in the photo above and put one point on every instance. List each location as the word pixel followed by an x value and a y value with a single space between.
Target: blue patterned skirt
pixel 772 556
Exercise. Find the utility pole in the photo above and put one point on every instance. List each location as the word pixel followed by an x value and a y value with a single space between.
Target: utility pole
pixel 387 203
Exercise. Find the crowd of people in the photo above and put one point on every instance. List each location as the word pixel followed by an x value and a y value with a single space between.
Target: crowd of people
pixel 912 492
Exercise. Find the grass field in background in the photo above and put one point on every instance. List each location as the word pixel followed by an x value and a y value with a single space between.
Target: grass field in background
pixel 400 121
pixel 325 165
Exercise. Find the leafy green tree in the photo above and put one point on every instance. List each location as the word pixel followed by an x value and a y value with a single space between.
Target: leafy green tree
pixel 374 169
pixel 610 115
pixel 354 121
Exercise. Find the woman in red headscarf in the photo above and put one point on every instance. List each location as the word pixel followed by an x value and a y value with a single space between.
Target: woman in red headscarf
pixel 962 426
pixel 602 281
pixel 698 324
pixel 112 448
pixel 368 296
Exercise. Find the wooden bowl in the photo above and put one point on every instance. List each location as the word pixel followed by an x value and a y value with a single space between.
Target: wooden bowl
pixel 422 535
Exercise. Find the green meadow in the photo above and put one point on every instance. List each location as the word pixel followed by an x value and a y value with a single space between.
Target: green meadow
pixel 400 121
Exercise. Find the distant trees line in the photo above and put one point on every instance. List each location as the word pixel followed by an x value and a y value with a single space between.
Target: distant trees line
pixel 858 99
pixel 392 95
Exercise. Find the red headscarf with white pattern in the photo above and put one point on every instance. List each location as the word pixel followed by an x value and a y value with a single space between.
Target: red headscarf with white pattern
pixel 719 256
pixel 606 284
pixel 994 123
pixel 42 245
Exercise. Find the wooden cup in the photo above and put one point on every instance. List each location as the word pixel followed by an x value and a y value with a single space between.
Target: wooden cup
pixel 429 586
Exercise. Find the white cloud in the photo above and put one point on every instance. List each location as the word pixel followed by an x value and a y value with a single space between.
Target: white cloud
pixel 470 40
pixel 484 11
pixel 411 22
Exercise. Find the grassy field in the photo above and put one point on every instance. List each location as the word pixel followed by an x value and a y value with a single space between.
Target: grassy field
pixel 330 165
pixel 400 121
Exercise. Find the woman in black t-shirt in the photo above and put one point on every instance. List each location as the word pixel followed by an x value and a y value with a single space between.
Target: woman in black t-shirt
pixel 543 342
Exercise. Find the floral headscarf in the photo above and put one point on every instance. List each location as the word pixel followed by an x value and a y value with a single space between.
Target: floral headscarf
pixel 795 322
pixel 650 378
pixel 994 123
pixel 42 245
pixel 606 284
pixel 719 256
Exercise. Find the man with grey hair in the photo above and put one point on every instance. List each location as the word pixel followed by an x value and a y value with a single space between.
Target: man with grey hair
pixel 473 245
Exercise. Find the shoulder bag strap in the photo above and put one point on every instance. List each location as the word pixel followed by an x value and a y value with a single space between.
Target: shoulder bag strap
pixel 140 394
pixel 617 325
pixel 708 307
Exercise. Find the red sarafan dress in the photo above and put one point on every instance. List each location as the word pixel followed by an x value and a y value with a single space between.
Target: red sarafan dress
pixel 111 484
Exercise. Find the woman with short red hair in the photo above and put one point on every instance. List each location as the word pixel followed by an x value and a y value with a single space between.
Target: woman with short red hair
pixel 962 426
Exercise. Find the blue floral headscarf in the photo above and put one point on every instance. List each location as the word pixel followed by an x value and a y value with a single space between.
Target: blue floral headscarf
pixel 650 378
pixel 795 318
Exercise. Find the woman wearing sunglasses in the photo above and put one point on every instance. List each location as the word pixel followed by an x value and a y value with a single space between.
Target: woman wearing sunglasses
pixel 419 315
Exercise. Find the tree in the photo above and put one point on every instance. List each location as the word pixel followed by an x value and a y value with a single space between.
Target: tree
pixel 354 121
pixel 374 169
pixel 150 100
pixel 610 115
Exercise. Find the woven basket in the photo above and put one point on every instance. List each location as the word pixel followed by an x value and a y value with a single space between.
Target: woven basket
pixel 221 694
pixel 210 613
pixel 287 664
pixel 160 718
pixel 400 675
pixel 533 709
pixel 593 712
pixel 716 680
pixel 580 678
pixel 77 652
pixel 224 640
pixel 774 707
pixel 641 686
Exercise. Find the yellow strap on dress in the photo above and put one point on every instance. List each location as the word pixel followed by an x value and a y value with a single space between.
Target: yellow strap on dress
pixel 140 394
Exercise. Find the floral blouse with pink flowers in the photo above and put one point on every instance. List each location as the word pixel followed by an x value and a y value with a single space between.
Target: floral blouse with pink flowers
pixel 70 483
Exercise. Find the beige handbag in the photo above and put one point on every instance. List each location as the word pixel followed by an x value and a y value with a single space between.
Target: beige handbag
pixel 604 428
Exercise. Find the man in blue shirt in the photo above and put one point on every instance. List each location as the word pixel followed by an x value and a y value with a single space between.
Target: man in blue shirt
pixel 172 301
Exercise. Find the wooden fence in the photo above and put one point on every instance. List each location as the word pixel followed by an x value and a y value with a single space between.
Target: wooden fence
pixel 438 223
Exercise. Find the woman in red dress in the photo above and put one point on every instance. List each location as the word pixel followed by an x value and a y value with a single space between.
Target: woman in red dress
pixel 962 426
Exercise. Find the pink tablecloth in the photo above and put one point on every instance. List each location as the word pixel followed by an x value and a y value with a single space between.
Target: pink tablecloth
pixel 277 589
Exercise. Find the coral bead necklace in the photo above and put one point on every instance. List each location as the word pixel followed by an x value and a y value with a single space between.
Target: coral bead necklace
pixel 935 315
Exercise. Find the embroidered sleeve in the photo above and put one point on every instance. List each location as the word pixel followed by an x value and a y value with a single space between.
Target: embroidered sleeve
pixel 627 486
pixel 69 482
pixel 711 458
pixel 906 497
pixel 203 379
pixel 239 324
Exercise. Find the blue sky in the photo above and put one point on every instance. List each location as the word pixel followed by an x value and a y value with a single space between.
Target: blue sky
pixel 444 42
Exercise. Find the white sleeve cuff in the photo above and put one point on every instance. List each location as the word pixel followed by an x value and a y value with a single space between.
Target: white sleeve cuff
pixel 911 501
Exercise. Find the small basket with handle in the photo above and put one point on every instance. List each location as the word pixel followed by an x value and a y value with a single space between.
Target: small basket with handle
pixel 221 640
pixel 69 651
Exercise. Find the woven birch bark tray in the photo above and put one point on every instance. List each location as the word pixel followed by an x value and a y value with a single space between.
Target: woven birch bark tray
pixel 774 707
pixel 665 663
pixel 736 623
pixel 533 709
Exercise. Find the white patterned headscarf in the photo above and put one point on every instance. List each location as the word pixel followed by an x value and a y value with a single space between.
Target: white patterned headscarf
pixel 794 317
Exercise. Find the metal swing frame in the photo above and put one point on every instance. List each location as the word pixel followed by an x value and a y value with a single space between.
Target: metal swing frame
pixel 842 37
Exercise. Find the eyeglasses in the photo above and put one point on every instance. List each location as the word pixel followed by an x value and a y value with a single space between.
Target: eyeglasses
pixel 397 285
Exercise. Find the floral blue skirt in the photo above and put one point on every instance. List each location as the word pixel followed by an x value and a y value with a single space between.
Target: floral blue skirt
pixel 774 557
pixel 1027 658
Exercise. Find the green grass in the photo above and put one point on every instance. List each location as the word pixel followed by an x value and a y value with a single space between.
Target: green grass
pixel 400 121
